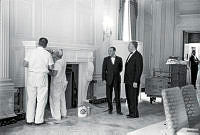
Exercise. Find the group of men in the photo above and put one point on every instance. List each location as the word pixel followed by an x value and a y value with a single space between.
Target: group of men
pixel 40 63
pixel 112 67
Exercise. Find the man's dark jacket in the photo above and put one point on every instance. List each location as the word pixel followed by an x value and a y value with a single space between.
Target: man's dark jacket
pixel 112 71
pixel 133 69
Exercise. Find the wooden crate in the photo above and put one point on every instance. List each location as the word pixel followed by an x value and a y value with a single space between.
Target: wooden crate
pixel 154 85
pixel 178 75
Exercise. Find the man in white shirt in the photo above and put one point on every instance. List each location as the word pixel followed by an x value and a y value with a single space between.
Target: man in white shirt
pixel 58 87
pixel 38 62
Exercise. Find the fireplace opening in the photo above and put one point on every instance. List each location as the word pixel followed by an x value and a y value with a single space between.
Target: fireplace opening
pixel 71 93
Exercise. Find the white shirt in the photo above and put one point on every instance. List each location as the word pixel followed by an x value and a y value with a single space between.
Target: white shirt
pixel 113 59
pixel 195 57
pixel 60 67
pixel 130 55
pixel 39 59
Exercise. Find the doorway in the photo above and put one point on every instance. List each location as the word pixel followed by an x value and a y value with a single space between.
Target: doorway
pixel 191 41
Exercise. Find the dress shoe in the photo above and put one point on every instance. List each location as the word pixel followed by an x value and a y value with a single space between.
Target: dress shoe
pixel 131 117
pixel 29 123
pixel 119 113
pixel 38 124
pixel 64 116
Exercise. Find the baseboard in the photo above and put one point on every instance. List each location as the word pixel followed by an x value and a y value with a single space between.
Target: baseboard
pixel 104 100
pixel 98 101
pixel 12 120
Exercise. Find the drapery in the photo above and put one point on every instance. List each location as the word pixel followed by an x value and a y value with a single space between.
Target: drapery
pixel 133 18
pixel 127 20
pixel 121 16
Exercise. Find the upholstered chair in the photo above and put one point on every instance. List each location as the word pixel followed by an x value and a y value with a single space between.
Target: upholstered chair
pixel 191 105
pixel 176 117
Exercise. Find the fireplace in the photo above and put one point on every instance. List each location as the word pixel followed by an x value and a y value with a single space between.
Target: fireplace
pixel 81 55
pixel 71 92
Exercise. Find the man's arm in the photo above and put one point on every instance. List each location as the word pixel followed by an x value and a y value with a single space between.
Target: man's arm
pixel 104 70
pixel 190 62
pixel 198 61
pixel 51 67
pixel 25 63
pixel 51 62
pixel 120 65
pixel 53 72
pixel 139 68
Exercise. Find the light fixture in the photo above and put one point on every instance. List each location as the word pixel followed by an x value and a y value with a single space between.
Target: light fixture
pixel 107 27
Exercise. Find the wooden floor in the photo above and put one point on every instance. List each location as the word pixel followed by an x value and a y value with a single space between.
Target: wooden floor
pixel 98 123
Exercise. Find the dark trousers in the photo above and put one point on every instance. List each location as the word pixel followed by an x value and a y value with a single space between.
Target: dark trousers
pixel 109 90
pixel 132 99
pixel 194 76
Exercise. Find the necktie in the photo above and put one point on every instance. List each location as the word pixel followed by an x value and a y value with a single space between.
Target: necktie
pixel 128 57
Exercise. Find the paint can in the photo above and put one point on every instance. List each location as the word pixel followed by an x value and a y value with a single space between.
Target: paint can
pixel 82 111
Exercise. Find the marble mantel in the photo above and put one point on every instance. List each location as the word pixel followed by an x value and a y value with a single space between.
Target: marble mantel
pixel 73 54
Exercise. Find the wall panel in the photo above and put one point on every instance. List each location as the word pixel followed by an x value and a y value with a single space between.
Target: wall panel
pixel 23 18
pixel 58 24
pixel 85 21
pixel 21 28
pixel 64 22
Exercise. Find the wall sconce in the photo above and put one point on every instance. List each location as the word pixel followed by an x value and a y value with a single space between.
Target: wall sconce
pixel 107 25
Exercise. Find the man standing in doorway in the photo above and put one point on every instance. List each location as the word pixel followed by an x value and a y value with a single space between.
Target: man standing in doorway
pixel 132 75
pixel 38 62
pixel 194 61
pixel 112 67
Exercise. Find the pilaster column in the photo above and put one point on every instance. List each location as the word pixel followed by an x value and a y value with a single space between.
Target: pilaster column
pixel 6 86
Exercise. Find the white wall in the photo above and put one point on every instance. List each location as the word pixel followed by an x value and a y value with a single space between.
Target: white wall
pixel 63 22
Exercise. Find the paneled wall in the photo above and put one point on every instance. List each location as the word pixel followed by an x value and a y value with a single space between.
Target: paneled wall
pixel 64 22
pixel 21 28
pixel 160 26
pixel 187 19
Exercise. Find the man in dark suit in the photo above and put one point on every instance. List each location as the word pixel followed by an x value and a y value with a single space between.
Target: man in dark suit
pixel 112 67
pixel 133 71
pixel 194 61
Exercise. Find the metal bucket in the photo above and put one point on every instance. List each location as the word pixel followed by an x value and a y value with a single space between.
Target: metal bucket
pixel 82 111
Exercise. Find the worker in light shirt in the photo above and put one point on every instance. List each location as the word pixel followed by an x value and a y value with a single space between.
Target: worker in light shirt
pixel 58 87
pixel 38 62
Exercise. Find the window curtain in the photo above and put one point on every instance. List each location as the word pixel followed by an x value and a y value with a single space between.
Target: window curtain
pixel 126 36
pixel 127 20
pixel 121 16
pixel 133 18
